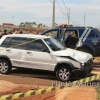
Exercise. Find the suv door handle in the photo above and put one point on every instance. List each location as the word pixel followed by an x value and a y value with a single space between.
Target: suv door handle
pixel 8 50
pixel 29 53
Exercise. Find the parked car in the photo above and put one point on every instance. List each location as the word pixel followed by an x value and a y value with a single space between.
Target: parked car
pixel 83 39
pixel 43 53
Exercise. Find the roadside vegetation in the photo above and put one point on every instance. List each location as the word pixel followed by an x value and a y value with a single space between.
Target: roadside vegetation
pixel 98 93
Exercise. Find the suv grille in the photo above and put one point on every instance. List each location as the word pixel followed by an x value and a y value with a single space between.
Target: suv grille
pixel 89 62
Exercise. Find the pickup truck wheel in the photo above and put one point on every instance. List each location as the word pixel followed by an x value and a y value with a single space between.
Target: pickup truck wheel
pixel 5 67
pixel 64 73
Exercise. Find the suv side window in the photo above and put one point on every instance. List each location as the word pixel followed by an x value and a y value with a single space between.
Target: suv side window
pixel 80 32
pixel 36 45
pixel 17 42
pixel 6 42
pixel 92 34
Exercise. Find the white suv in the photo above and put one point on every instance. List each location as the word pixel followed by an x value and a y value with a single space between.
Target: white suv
pixel 44 53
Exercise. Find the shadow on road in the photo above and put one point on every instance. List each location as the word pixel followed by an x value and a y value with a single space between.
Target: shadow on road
pixel 33 73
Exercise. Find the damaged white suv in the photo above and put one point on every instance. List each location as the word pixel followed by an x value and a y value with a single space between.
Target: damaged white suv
pixel 43 53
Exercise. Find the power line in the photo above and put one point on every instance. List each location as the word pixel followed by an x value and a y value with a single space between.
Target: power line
pixel 60 8
pixel 64 5
pixel 68 14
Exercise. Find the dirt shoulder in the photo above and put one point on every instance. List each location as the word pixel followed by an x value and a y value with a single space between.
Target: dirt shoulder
pixel 69 93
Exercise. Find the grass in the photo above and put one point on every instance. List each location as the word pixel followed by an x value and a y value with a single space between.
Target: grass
pixel 98 93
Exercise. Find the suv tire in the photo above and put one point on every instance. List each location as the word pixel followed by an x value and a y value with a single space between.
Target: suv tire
pixel 5 66
pixel 64 73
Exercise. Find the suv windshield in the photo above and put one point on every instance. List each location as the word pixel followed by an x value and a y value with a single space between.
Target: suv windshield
pixel 54 44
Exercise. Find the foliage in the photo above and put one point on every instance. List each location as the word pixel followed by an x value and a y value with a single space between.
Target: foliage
pixel 98 93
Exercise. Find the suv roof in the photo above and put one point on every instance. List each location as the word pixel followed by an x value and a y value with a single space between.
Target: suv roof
pixel 26 35
pixel 76 27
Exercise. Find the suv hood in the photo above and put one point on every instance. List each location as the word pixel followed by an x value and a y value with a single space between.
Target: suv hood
pixel 75 54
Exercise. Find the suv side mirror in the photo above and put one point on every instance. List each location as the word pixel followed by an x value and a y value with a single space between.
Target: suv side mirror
pixel 45 50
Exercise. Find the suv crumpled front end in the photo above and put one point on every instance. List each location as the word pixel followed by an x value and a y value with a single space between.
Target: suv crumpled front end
pixel 85 69
pixel 82 62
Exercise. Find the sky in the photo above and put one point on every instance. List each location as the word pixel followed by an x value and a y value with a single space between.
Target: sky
pixel 40 11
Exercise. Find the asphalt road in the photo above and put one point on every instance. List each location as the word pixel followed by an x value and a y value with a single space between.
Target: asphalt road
pixel 36 77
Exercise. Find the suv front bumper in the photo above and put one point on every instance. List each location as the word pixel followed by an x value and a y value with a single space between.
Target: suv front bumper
pixel 83 71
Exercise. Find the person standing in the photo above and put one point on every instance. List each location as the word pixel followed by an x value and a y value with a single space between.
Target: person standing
pixel 21 32
pixel 4 33
pixel 70 40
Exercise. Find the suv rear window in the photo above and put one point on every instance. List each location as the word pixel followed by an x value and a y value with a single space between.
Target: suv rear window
pixel 16 41
pixel 92 34
pixel 6 42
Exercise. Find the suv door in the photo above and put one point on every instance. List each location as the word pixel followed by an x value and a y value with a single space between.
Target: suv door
pixel 16 52
pixel 36 56
pixel 55 33
pixel 93 40
pixel 70 37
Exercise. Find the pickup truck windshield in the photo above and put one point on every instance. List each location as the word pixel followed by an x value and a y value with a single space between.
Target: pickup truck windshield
pixel 54 44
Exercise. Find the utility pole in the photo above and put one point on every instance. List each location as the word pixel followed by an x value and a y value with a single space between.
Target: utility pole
pixel 68 15
pixel 84 19
pixel 53 17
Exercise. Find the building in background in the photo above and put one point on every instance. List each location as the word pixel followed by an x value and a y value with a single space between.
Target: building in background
pixel 32 28
pixel 8 26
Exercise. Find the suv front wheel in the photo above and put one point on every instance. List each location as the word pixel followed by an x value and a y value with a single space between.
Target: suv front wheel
pixel 64 73
pixel 5 67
